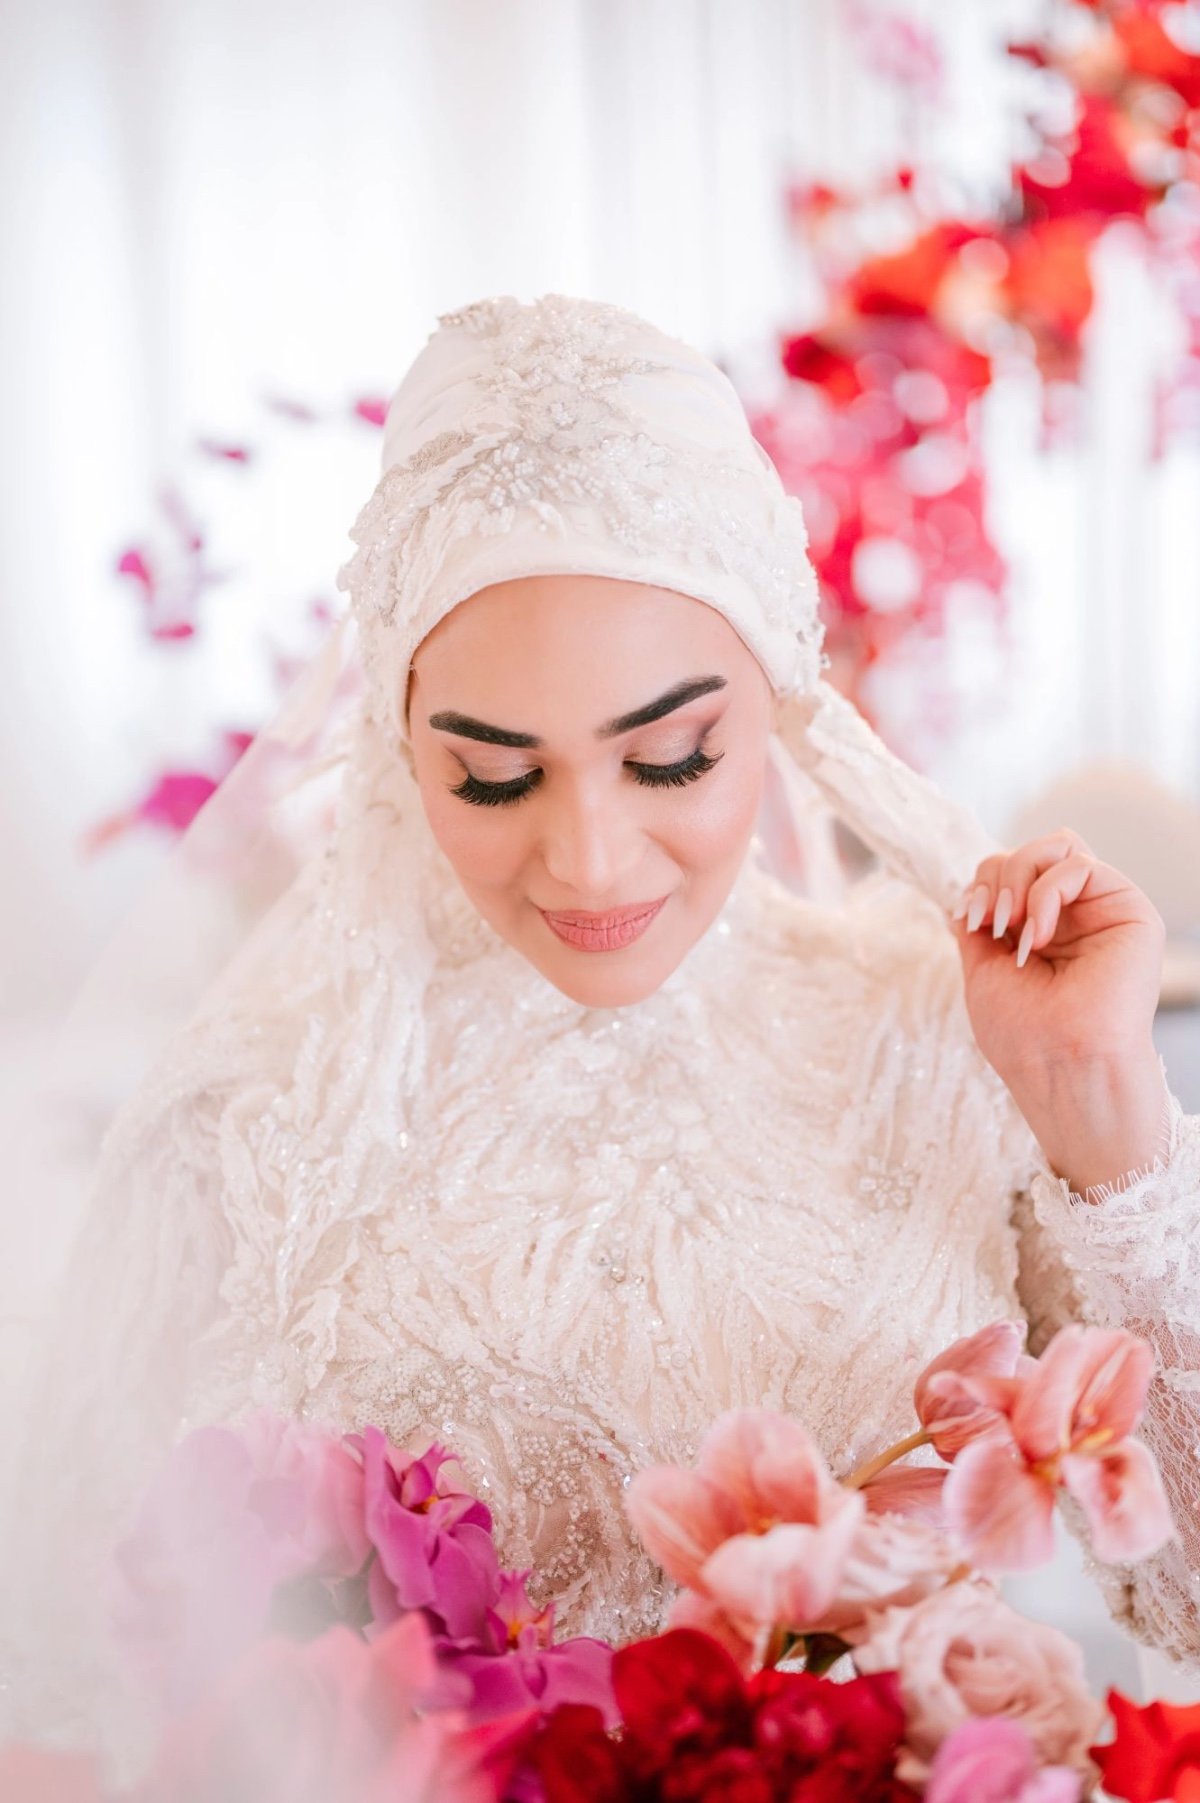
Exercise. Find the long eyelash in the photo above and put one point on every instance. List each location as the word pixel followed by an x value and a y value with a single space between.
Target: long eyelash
pixel 654 776
pixel 669 776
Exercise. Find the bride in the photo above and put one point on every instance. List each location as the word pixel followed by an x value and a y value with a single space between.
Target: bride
pixel 539 1115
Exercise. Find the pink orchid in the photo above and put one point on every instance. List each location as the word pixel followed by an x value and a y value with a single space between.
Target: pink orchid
pixel 517 1666
pixel 1064 1422
pixel 992 1761
pixel 234 1514
pixel 336 1717
pixel 950 1416
pixel 760 1527
pixel 433 1541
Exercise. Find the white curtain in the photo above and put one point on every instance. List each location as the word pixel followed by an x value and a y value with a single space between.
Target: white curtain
pixel 205 200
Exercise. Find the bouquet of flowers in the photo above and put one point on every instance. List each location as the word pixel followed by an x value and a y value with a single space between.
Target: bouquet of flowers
pixel 323 1617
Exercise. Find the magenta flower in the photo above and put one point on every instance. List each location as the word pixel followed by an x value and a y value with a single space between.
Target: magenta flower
pixel 433 1542
pixel 517 1666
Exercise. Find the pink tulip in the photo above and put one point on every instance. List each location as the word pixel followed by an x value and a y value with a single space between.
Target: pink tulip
pixel 913 1491
pixel 951 1415
pixel 992 1761
pixel 760 1527
pixel 1065 1422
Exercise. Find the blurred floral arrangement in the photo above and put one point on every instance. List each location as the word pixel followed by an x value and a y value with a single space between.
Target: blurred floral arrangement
pixel 320 1615
pixel 925 303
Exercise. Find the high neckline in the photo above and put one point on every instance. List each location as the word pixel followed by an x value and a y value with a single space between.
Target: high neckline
pixel 461 933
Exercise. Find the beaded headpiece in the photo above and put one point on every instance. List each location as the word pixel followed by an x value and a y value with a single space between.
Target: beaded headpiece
pixel 571 435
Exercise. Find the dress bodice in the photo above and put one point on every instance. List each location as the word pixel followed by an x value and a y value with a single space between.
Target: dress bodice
pixel 784 1179
pixel 787 1178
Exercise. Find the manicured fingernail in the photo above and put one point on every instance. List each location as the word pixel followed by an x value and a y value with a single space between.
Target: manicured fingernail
pixel 978 908
pixel 1024 947
pixel 1004 908
pixel 960 906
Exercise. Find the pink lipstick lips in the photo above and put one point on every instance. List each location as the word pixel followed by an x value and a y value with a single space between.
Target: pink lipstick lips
pixel 603 932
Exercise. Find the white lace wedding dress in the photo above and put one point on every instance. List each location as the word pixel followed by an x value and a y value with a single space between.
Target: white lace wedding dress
pixel 787 1178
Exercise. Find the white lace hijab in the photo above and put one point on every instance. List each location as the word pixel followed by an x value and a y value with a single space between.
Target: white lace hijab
pixel 289 934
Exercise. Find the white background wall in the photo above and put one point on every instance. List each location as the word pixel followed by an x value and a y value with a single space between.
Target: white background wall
pixel 199 202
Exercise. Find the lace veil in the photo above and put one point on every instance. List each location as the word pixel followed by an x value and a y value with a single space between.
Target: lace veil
pixel 557 435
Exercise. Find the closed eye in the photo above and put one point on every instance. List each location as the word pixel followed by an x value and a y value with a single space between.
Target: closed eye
pixel 654 776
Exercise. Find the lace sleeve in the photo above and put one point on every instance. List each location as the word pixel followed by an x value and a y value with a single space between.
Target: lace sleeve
pixel 1127 1254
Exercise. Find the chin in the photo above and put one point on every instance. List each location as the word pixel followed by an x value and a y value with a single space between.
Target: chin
pixel 607 988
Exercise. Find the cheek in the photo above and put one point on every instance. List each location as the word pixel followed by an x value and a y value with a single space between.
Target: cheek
pixel 485 846
pixel 715 817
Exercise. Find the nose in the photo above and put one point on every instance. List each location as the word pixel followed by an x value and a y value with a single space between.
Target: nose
pixel 590 844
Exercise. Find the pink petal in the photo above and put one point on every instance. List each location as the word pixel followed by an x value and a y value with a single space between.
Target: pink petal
pixel 133 563
pixel 952 1415
pixel 914 1491
pixel 1089 1380
pixel 769 1465
pixel 1121 1493
pixel 998 1509
pixel 372 410
pixel 680 1518
pixel 788 1576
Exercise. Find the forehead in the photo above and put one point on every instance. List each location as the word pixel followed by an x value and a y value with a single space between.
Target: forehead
pixel 567 625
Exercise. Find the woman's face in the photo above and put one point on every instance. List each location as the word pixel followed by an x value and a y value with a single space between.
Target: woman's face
pixel 583 747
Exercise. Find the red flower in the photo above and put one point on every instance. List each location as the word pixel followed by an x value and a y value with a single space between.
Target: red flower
pixel 811 359
pixel 1151 52
pixel 694 1729
pixel 1096 176
pixel 1156 1754
pixel 906 282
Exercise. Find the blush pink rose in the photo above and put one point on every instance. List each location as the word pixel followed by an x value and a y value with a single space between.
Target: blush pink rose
pixel 964 1654
pixel 893 1562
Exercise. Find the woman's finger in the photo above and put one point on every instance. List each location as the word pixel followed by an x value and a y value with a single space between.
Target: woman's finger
pixel 1052 891
pixel 1000 887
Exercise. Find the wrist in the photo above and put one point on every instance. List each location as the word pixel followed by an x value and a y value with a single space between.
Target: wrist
pixel 1099 1116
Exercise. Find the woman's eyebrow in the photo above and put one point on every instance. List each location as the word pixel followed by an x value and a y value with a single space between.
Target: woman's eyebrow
pixel 683 692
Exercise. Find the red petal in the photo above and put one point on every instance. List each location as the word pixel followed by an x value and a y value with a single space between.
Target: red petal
pixel 666 1684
